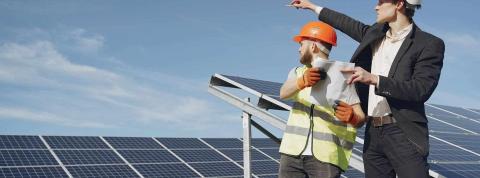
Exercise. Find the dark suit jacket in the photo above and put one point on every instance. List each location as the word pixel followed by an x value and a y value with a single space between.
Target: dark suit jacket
pixel 413 77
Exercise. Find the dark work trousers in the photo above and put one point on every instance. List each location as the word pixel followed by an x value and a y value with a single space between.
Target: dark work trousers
pixel 306 166
pixel 387 152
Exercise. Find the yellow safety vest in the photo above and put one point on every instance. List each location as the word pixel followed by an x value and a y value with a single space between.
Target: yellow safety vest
pixel 332 140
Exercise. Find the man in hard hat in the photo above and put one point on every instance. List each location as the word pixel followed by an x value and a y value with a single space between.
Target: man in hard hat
pixel 398 68
pixel 315 143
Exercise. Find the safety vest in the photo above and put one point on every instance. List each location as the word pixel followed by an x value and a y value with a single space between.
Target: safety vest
pixel 332 140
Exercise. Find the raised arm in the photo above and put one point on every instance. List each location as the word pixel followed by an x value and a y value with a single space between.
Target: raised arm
pixel 353 28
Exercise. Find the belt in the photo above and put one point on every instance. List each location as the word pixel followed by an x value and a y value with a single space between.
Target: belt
pixel 382 120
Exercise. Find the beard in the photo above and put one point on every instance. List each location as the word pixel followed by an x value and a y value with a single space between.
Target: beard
pixel 306 59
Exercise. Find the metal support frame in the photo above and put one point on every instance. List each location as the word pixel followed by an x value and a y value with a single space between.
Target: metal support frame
pixel 247 146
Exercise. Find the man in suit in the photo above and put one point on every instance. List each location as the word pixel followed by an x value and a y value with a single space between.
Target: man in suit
pixel 398 68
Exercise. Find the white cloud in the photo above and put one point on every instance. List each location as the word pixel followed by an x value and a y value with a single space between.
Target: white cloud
pixel 39 65
pixel 84 42
pixel 45 117
pixel 462 40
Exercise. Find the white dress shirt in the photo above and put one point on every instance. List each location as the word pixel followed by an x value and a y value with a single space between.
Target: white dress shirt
pixel 384 52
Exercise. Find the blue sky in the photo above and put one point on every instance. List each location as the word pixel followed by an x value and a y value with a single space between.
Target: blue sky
pixel 141 68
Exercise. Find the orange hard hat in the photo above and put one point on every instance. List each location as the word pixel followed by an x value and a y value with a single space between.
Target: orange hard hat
pixel 317 31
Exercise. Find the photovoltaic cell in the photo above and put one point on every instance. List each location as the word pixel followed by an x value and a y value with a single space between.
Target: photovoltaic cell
pixel 33 172
pixel 264 143
pixel 438 126
pixel 272 152
pixel 468 141
pixel 262 86
pixel 237 154
pixel 165 170
pixel 206 155
pixel 457 170
pixel 111 171
pixel 463 123
pixel 77 157
pixel 21 142
pixel 460 111
pixel 133 143
pixel 182 143
pixel 442 152
pixel 353 173
pixel 75 142
pixel 217 169
pixel 264 167
pixel 224 142
pixel 148 156
pixel 26 158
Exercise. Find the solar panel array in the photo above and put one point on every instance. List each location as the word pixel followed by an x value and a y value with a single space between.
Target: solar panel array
pixel 61 156
pixel 454 133
pixel 454 150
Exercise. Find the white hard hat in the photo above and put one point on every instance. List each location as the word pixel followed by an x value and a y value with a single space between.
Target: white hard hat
pixel 414 2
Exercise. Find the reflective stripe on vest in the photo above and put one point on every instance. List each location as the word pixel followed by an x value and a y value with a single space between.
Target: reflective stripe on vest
pixel 332 140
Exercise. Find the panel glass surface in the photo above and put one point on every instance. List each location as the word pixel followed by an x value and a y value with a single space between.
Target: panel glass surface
pixel 237 154
pixel 468 141
pixel 457 170
pixel 206 155
pixel 165 170
pixel 133 143
pixel 21 142
pixel 182 143
pixel 76 157
pixel 217 169
pixel 111 171
pixel 224 142
pixel 460 111
pixel 262 86
pixel 26 158
pixel 264 143
pixel 75 142
pixel 272 152
pixel 148 156
pixel 33 172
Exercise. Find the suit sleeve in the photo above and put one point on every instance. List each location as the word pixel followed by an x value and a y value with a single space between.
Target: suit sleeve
pixel 426 74
pixel 353 28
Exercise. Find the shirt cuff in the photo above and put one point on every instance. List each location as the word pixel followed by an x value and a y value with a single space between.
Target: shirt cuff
pixel 378 81
pixel 318 9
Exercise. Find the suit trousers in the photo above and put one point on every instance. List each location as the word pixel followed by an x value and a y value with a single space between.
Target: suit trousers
pixel 306 166
pixel 388 152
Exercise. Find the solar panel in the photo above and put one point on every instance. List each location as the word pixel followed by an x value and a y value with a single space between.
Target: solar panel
pixel 457 170
pixel 224 142
pixel 441 152
pixel 165 170
pixel 133 143
pixel 76 157
pixel 33 172
pixel 217 169
pixel 206 155
pixel 351 172
pixel 262 86
pixel 102 171
pixel 272 152
pixel 468 141
pixel 264 167
pixel 237 154
pixel 26 158
pixel 21 142
pixel 75 142
pixel 182 143
pixel 460 111
pixel 148 156
pixel 264 143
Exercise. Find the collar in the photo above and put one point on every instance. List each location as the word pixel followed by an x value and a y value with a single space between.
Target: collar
pixel 400 35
